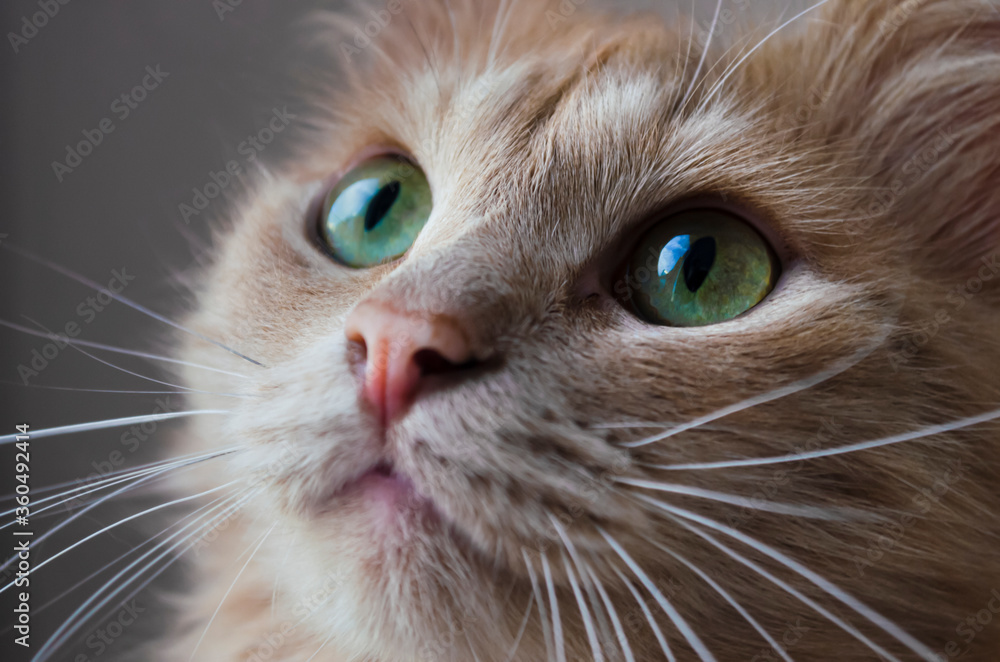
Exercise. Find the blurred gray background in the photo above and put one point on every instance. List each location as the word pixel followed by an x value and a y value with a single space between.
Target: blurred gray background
pixel 118 209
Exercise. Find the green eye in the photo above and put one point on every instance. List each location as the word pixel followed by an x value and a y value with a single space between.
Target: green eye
pixel 700 267
pixel 375 212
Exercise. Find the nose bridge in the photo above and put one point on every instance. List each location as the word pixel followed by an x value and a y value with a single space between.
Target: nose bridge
pixel 471 280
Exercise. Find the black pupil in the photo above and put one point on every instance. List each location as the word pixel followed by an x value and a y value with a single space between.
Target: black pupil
pixel 698 263
pixel 380 204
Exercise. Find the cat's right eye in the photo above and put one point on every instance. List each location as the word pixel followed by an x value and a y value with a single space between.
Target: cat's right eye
pixel 375 212
pixel 700 267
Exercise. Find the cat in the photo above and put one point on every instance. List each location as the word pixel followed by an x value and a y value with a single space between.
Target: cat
pixel 572 336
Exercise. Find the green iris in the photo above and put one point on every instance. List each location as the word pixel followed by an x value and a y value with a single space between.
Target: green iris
pixel 376 211
pixel 700 267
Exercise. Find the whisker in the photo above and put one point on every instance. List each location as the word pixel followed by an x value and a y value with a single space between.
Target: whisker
pixel 704 53
pixel 613 614
pixel 75 516
pixel 588 623
pixel 87 509
pixel 68 627
pixel 322 645
pixel 810 512
pixel 841 450
pixel 109 423
pixel 675 617
pixel 690 43
pixel 542 611
pixel 122 299
pixel 79 389
pixel 117 350
pixel 785 586
pixel 73 494
pixel 120 558
pixel 557 632
pixel 113 475
pixel 521 630
pixel 657 632
pixel 732 602
pixel 115 366
pixel 814 578
pixel 715 88
pixel 581 603
pixel 175 502
pixel 776 394
pixel 262 538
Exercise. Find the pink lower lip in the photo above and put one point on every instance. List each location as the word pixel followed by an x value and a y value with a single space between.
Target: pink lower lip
pixel 394 493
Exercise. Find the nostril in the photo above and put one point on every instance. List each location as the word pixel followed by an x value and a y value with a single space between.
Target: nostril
pixel 432 362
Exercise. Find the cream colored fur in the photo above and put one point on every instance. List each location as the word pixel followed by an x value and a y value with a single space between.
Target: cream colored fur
pixel 865 138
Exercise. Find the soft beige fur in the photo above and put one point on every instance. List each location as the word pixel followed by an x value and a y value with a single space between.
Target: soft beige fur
pixel 864 140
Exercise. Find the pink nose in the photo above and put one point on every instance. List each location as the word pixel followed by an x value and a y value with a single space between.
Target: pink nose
pixel 400 350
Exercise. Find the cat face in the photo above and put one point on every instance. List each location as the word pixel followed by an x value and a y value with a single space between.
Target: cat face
pixel 475 425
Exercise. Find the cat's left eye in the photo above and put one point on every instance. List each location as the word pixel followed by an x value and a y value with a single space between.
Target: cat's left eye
pixel 375 212
pixel 700 267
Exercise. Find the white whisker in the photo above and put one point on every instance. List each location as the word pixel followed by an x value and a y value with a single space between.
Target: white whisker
pixel 776 394
pixel 810 512
pixel 122 299
pixel 262 538
pixel 115 366
pixel 109 423
pixel 540 601
pixel 110 527
pixel 581 603
pixel 675 617
pixel 841 450
pixel 732 602
pixel 116 475
pixel 830 588
pixel 613 614
pixel 521 630
pixel 322 645
pixel 704 53
pixel 77 618
pixel 732 69
pixel 788 588
pixel 72 495
pixel 116 350
pixel 660 639
pixel 557 631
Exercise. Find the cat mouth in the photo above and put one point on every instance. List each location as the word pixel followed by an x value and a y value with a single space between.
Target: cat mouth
pixel 389 493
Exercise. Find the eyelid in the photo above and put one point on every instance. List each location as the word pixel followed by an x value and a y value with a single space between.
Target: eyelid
pixel 745 212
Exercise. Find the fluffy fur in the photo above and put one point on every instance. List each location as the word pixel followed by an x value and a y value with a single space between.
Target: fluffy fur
pixel 862 139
